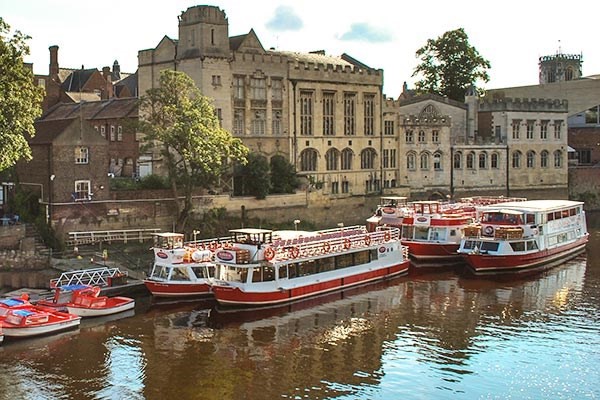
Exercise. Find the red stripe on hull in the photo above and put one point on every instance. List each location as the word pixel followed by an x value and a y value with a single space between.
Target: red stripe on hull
pixel 230 295
pixel 433 252
pixel 161 289
pixel 485 264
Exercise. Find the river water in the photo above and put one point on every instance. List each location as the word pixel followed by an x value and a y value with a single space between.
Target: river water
pixel 439 335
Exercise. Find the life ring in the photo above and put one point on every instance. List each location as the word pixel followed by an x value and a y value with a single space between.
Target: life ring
pixel 326 247
pixel 367 240
pixel 269 253
pixel 347 244
pixel 489 230
pixel 212 246
pixel 294 252
pixel 227 245
pixel 387 236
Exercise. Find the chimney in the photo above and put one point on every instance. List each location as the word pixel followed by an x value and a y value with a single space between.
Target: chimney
pixel 106 73
pixel 53 70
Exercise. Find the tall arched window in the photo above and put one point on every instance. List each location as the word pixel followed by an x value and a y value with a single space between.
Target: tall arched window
pixel 544 159
pixel 471 160
pixel 483 160
pixel 458 160
pixel 367 159
pixel 308 160
pixel 494 161
pixel 437 161
pixel 411 161
pixel 531 159
pixel 347 156
pixel 332 158
pixel 558 155
pixel 516 159
pixel 424 161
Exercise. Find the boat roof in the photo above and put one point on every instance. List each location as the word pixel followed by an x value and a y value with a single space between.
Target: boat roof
pixel 531 206
pixel 168 234
pixel 291 234
pixel 394 197
pixel 250 231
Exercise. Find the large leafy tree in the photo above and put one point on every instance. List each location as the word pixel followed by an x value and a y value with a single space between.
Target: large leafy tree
pixel 253 179
pixel 180 123
pixel 450 65
pixel 283 175
pixel 20 98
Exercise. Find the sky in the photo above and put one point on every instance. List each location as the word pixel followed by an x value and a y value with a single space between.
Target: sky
pixel 510 34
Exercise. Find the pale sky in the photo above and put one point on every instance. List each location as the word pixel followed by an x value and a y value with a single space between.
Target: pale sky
pixel 511 34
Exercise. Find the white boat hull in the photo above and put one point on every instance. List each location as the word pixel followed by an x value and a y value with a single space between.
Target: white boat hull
pixel 19 331
pixel 100 311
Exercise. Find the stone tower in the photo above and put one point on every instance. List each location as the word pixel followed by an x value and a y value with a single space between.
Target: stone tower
pixel 560 67
pixel 203 31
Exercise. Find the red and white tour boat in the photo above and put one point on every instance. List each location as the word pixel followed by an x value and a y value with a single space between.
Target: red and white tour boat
pixel 85 301
pixel 180 270
pixel 528 236
pixel 261 267
pixel 25 321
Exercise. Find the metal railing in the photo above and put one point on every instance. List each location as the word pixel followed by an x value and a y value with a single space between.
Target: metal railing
pixel 92 276
pixel 124 235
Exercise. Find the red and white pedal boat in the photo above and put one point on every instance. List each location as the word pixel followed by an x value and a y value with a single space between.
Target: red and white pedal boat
pixel 32 320
pixel 180 270
pixel 85 301
pixel 521 237
pixel 260 267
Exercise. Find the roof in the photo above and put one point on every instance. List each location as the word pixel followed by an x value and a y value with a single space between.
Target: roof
pixel 47 131
pixel 315 58
pixel 113 108
pixel 77 79
pixel 531 206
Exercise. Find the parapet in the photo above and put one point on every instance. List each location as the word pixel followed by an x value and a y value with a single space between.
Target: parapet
pixel 524 104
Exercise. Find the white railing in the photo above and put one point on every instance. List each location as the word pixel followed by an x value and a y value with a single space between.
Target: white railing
pixel 124 235
pixel 92 276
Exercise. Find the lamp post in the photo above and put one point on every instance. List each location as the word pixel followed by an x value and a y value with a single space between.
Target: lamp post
pixel 296 222
pixel 195 233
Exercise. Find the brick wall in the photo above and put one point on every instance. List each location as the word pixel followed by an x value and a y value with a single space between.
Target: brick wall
pixel 584 184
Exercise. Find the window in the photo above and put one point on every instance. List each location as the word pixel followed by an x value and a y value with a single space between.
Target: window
pixel 569 74
pixel 457 161
pixel 335 187
pixel 345 187
pixel 276 122
pixel 516 127
pixel 216 80
pixel 557 129
pixel 328 114
pixel 238 88
pixel 239 127
pixel 306 113
pixel 494 161
pixel 424 161
pixel 112 133
pixel 516 159
pixel 531 159
pixel 258 88
pixel 259 122
pixel 544 130
pixel 483 160
pixel 308 160
pixel 530 126
pixel 421 136
pixel 409 136
pixel 349 111
pixel 544 159
pixel 103 131
pixel 347 159
pixel 584 156
pixel 119 133
pixel 219 115
pixel 41 82
pixel 471 160
pixel 411 161
pixel 388 128
pixel 437 162
pixel 81 155
pixel 276 89
pixel 435 136
pixel 332 159
pixel 82 190
pixel 558 159
pixel 389 158
pixel 369 109
pixel 367 159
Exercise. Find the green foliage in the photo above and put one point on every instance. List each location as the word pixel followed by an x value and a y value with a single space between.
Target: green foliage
pixel 20 98
pixel 283 176
pixel 253 179
pixel 181 124
pixel 154 182
pixel 450 65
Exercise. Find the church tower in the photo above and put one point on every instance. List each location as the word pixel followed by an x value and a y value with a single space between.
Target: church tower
pixel 560 67
pixel 203 32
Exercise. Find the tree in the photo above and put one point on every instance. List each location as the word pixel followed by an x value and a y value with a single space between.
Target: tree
pixel 450 65
pixel 181 124
pixel 283 175
pixel 20 98
pixel 253 178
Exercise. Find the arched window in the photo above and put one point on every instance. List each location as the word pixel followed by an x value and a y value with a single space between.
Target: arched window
pixel 471 160
pixel 332 158
pixel 411 159
pixel 421 136
pixel 367 159
pixel 437 161
pixel 483 160
pixel 494 160
pixel 308 160
pixel 424 160
pixel 516 159
pixel 558 158
pixel 531 159
pixel 347 156
pixel 458 160
pixel 569 74
pixel 544 159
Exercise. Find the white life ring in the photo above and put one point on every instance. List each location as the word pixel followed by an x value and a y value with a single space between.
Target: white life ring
pixel 489 230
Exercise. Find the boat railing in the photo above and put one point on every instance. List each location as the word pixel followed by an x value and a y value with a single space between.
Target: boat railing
pixel 92 277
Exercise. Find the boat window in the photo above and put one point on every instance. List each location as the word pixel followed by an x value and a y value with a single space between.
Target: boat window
pixel 163 272
pixel 562 237
pixel 307 268
pixel 565 213
pixel 421 232
pixel 550 216
pixel 179 274
pixel 557 215
pixel 374 255
pixel 573 211
pixel 453 232
pixel 200 272
pixel 530 218
pixel 407 232
pixel 263 273
pixel 471 244
pixel 438 234
pixel 234 274
pixel 532 245
pixel 343 261
pixel 325 264
pixel 361 257
pixel 489 246
pixel 282 271
pixel 518 246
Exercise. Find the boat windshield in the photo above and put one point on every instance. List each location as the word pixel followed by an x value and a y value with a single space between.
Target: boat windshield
pixel 204 272
pixel 231 273
pixel 499 217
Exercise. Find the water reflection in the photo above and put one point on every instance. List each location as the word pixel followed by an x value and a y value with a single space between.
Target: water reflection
pixel 437 335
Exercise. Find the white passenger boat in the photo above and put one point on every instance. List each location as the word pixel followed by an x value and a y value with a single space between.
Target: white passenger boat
pixel 527 236
pixel 263 267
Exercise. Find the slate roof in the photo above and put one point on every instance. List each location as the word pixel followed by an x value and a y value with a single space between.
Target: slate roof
pixel 77 79
pixel 114 108
pixel 47 131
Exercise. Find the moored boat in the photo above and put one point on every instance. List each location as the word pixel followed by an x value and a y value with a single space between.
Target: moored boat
pixel 262 267
pixel 32 321
pixel 180 270
pixel 521 237
pixel 85 301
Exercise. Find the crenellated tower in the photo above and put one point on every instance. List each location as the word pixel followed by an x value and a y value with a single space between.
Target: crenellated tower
pixel 560 67
pixel 203 32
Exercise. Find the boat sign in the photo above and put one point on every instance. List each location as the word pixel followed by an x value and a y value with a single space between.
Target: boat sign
pixel 225 255
pixel 162 254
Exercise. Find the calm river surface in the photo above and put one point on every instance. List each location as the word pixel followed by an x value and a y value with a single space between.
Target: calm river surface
pixel 433 336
